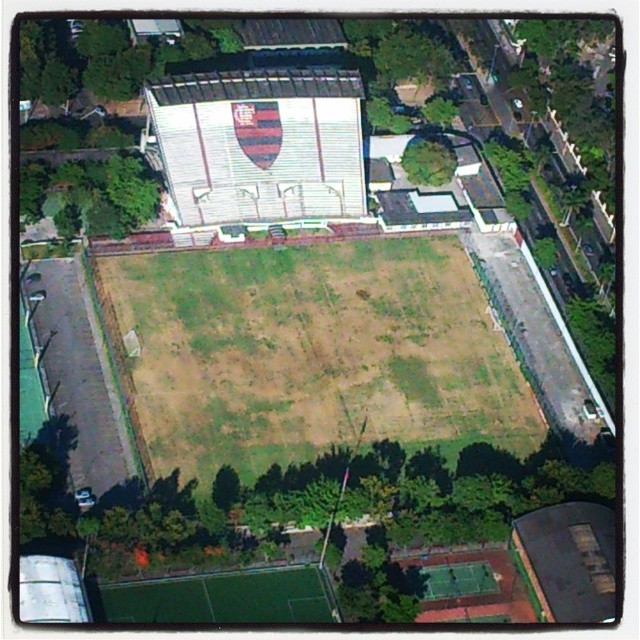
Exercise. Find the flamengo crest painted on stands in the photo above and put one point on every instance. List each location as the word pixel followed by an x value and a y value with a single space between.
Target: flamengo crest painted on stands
pixel 258 131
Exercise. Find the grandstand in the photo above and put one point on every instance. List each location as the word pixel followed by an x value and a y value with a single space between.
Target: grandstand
pixel 260 146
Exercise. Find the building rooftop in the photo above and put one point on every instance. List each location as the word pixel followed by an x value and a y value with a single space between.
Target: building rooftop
pixel 379 170
pixel 386 146
pixel 399 208
pixel 466 155
pixel 153 27
pixel 572 550
pixel 290 33
pixel 51 591
pixel 482 189
pixel 219 86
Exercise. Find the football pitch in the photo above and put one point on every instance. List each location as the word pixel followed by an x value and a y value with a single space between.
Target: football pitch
pixel 297 595
pixel 253 356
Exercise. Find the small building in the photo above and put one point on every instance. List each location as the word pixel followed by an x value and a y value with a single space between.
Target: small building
pixel 569 553
pixel 405 210
pixel 286 33
pixel 469 162
pixel 51 591
pixel 142 28
pixel 390 148
pixel 380 174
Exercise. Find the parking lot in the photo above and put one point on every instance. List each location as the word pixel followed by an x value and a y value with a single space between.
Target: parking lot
pixel 72 362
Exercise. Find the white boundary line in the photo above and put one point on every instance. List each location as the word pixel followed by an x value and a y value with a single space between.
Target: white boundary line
pixel 206 595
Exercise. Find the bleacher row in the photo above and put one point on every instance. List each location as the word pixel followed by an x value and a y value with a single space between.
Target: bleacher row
pixel 241 191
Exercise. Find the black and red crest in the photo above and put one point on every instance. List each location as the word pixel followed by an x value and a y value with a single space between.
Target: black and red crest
pixel 258 130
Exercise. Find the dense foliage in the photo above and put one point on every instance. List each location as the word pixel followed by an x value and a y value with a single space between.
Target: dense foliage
pixel 429 163
pixel 65 135
pixel 440 111
pixel 111 197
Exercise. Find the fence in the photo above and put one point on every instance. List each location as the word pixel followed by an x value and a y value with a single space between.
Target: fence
pixel 37 348
pixel 118 360
pixel 511 327
pixel 566 336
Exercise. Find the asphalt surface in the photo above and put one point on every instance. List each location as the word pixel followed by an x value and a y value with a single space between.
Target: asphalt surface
pixel 73 365
pixel 562 383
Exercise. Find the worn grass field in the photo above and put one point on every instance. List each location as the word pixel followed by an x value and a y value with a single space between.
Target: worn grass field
pixel 255 356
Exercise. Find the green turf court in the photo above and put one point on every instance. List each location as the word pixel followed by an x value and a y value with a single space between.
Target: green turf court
pixel 452 581
pixel 32 413
pixel 297 595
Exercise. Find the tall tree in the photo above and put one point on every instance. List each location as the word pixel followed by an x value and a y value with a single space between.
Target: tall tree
pixel 440 111
pixel 58 83
pixel 381 116
pixel 429 163
pixel 226 488
pixel 546 252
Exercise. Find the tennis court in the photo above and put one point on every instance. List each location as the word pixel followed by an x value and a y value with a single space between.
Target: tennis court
pixel 32 413
pixel 297 595
pixel 456 580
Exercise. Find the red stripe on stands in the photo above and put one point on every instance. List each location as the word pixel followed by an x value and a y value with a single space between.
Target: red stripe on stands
pixel 268 114
pixel 261 149
pixel 254 132
pixel 318 143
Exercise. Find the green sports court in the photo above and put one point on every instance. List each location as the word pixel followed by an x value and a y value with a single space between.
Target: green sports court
pixel 453 581
pixel 291 595
pixel 32 413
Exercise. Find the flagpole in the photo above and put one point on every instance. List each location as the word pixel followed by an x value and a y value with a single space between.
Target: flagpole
pixel 345 479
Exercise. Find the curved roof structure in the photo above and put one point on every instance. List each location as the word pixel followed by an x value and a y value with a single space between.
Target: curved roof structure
pixel 51 591
pixel 571 548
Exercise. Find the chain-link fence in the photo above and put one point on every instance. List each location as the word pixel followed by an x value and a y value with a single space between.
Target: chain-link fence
pixel 120 366
pixel 515 334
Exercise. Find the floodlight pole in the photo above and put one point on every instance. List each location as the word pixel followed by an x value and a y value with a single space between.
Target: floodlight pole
pixel 345 479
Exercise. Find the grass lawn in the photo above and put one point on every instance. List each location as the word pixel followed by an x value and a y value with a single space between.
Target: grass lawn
pixel 282 596
pixel 254 356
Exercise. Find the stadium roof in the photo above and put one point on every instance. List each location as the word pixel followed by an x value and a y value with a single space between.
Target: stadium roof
pixel 50 591
pixel 399 208
pixel 153 27
pixel 218 86
pixel 572 550
pixel 290 33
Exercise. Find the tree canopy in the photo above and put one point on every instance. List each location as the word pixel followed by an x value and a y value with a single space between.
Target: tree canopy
pixel 429 163
pixel 440 111
pixel 381 116
pixel 546 252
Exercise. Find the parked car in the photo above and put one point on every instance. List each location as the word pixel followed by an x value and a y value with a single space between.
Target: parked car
pixel 517 103
pixel 588 249
pixel 33 278
pixel 589 410
pixel 87 502
pixel 38 296
pixel 606 440
pixel 83 494
pixel 484 100
pixel 468 84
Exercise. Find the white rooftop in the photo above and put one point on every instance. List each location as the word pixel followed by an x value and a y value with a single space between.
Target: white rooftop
pixel 389 147
pixel 151 27
pixel 50 591
pixel 433 202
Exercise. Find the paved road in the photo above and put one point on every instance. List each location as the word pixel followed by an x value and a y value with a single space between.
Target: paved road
pixel 72 361
pixel 562 383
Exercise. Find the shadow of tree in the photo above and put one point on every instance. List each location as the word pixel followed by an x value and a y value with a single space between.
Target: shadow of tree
pixel 482 458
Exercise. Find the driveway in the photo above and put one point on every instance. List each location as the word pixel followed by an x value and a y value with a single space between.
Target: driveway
pixel 103 456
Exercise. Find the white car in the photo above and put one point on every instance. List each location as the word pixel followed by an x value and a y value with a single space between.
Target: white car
pixel 83 494
pixel 517 103
pixel 87 502
pixel 38 296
